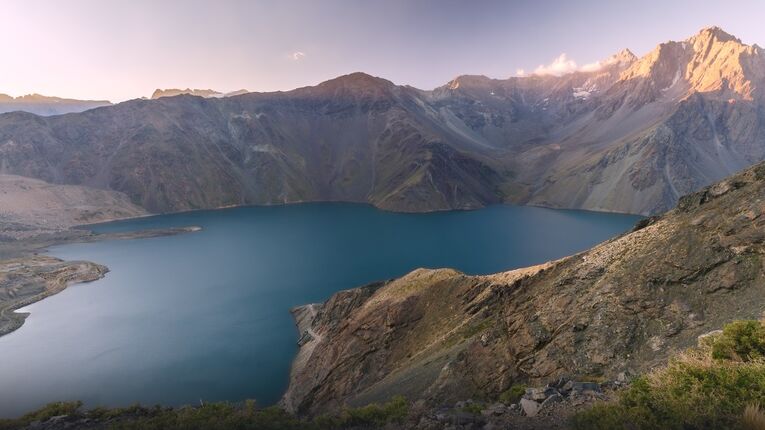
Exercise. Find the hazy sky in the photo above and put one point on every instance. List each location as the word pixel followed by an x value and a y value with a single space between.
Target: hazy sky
pixel 121 50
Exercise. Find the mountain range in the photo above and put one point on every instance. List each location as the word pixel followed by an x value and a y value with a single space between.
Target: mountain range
pixel 46 106
pixel 627 135
pixel 171 92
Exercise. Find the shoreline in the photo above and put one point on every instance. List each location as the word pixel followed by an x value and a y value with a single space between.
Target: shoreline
pixel 28 274
pixel 361 203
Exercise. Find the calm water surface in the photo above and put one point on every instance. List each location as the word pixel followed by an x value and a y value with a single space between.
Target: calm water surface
pixel 206 316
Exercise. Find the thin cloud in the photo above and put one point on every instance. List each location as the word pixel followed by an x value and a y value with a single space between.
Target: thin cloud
pixel 593 67
pixel 560 66
pixel 297 55
pixel 520 72
pixel 563 65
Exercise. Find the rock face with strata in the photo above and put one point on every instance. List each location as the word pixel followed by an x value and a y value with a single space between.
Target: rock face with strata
pixel 620 308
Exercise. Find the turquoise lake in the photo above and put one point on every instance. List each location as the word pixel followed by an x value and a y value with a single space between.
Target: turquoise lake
pixel 205 315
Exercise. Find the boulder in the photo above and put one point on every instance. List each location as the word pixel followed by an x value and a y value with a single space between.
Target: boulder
pixel 577 388
pixel 539 394
pixel 555 398
pixel 495 410
pixel 530 407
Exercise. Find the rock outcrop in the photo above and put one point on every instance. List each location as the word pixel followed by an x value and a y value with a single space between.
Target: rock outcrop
pixel 620 308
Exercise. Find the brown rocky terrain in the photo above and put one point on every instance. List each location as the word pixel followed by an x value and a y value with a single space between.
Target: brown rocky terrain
pixel 618 309
pixel 629 135
pixel 31 207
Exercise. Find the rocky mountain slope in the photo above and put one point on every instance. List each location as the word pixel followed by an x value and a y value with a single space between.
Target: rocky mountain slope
pixel 46 106
pixel 627 135
pixel 619 308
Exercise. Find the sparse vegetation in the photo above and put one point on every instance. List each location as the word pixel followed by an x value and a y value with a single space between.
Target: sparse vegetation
pixel 216 416
pixel 472 408
pixel 716 385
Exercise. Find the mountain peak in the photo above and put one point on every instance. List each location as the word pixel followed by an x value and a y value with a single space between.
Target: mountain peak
pixel 711 61
pixel 714 33
pixel 171 92
pixel 625 56
pixel 357 82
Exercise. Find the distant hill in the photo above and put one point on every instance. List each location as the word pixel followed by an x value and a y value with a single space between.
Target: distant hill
pixel 172 92
pixel 47 106
pixel 29 207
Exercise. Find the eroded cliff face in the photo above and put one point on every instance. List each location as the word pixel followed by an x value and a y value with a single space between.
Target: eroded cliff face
pixel 623 306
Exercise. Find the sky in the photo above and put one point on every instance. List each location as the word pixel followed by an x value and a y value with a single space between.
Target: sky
pixel 119 50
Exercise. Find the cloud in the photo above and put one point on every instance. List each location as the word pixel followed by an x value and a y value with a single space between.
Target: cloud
pixel 560 66
pixel 592 67
pixel 520 72
pixel 297 55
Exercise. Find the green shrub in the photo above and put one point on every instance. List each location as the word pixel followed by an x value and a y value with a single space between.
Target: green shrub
pixel 740 340
pixel 513 394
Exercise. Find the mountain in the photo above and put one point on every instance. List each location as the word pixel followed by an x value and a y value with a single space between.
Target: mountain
pixel 622 307
pixel 626 134
pixel 46 106
pixel 355 138
pixel 172 92
pixel 685 115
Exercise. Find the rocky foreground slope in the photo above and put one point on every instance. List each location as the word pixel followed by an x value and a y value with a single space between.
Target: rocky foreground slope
pixel 618 309
pixel 629 134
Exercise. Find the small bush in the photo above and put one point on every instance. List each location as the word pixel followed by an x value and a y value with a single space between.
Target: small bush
pixel 740 340
pixel 513 394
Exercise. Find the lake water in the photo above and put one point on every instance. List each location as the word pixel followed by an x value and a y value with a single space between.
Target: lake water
pixel 205 315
